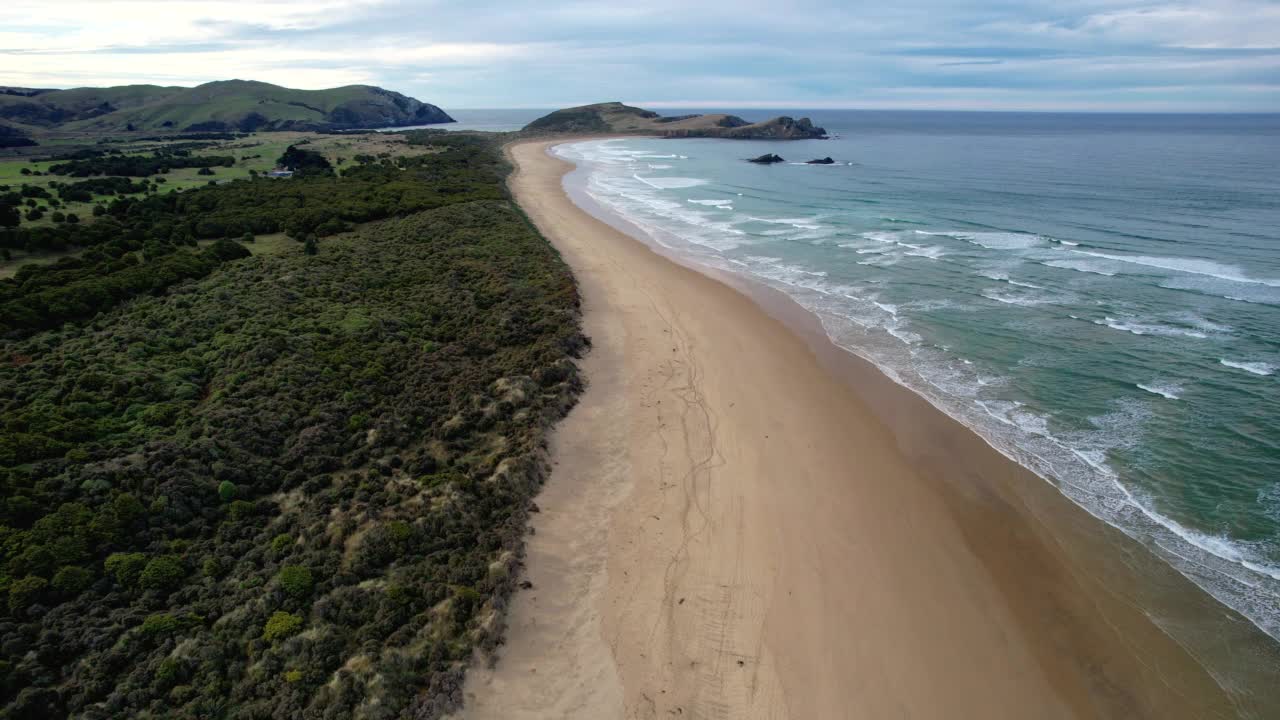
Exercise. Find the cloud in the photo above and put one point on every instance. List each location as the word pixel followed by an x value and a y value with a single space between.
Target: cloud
pixel 1207 54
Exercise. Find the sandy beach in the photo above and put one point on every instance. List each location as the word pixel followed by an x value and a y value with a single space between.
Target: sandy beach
pixel 737 527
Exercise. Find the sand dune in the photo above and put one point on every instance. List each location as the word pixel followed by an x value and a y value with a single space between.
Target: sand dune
pixel 730 532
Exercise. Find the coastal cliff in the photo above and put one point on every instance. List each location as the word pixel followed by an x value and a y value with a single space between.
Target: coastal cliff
pixel 617 118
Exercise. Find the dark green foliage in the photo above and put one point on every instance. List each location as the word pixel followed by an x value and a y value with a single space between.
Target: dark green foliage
pixel 163 573
pixel 304 162
pixel 72 580
pixel 296 580
pixel 76 288
pixel 437 345
pixel 25 592
pixel 161 161
pixel 103 186
pixel 126 568
pixel 227 491
pixel 160 224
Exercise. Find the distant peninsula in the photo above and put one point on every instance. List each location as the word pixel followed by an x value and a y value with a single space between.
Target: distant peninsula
pixel 223 106
pixel 616 118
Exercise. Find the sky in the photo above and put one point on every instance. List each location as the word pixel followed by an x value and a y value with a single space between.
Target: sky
pixel 1087 55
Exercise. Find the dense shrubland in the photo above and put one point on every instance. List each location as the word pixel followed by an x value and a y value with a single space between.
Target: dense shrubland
pixel 161 161
pixel 157 225
pixel 282 486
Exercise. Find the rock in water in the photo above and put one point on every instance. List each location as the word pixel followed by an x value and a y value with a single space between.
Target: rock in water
pixel 821 161
pixel 766 159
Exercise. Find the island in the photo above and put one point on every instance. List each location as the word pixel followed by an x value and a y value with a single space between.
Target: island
pixel 615 118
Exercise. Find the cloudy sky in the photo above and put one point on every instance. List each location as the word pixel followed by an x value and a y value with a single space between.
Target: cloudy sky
pixel 1198 55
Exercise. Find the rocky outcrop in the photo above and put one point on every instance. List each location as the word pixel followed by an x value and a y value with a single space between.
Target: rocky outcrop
pixel 821 161
pixel 616 118
pixel 766 159
pixel 779 128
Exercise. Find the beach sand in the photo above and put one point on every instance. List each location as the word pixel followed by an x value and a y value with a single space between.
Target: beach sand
pixel 735 527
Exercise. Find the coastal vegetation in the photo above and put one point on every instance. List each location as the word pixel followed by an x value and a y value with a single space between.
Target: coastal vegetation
pixel 287 484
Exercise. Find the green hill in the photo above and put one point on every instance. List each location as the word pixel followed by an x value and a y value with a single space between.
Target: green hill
pixel 616 118
pixel 226 105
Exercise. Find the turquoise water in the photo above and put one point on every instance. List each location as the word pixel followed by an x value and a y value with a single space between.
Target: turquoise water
pixel 1096 295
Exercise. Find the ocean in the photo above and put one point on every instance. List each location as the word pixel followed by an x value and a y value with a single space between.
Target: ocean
pixel 1096 295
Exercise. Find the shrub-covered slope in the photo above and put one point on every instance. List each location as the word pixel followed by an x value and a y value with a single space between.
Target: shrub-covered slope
pixel 295 487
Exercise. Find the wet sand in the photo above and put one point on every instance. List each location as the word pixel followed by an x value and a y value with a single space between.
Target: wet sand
pixel 744 522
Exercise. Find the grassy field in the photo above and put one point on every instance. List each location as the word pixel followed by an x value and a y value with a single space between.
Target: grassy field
pixel 256 152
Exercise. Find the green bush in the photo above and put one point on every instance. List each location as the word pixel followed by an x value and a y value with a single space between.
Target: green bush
pixel 226 491
pixel 71 580
pixel 160 624
pixel 213 567
pixel 162 573
pixel 241 509
pixel 296 580
pixel 281 625
pixel 126 568
pixel 25 592
pixel 281 543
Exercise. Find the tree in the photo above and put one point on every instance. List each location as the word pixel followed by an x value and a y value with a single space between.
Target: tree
pixel 71 580
pixel 162 573
pixel 126 568
pixel 204 171
pixel 309 247
pixel 24 593
pixel 296 580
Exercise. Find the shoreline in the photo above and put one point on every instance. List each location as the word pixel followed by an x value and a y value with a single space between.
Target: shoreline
pixel 812 541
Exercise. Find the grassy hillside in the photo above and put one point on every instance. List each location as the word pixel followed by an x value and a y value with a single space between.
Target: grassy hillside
pixel 614 117
pixel 225 105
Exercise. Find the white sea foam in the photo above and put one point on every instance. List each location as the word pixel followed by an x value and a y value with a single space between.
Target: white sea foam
pixel 722 204
pixel 1257 368
pixel 1193 266
pixel 1166 390
pixel 1084 266
pixel 993 240
pixel 800 223
pixel 932 252
pixel 671 183
pixel 659 167
pixel 1002 277
pixel 1023 300
pixel 1138 328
